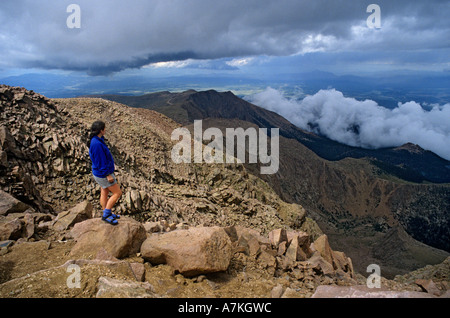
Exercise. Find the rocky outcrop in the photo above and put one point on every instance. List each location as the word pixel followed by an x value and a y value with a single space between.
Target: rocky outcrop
pixel 428 286
pixel 32 225
pixel 292 252
pixel 433 279
pixel 25 225
pixel 191 251
pixel 42 155
pixel 119 241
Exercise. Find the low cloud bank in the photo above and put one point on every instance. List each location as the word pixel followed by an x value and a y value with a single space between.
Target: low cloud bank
pixel 363 123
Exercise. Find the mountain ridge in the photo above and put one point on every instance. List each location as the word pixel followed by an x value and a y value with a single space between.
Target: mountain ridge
pixel 423 166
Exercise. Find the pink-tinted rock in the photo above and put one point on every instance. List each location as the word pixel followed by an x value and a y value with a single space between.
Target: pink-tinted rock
pixel 191 252
pixel 361 291
pixel 119 240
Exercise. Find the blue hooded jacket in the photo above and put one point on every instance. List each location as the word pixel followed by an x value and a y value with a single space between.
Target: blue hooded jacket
pixel 101 157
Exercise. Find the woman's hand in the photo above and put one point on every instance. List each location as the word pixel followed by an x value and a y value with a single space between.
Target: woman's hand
pixel 110 179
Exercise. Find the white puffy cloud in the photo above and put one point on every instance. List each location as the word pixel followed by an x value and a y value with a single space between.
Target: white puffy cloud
pixel 364 123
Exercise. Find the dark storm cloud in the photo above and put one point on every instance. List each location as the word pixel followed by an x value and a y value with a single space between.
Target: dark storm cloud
pixel 106 68
pixel 116 35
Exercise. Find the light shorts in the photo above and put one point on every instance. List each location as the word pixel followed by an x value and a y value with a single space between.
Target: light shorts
pixel 104 183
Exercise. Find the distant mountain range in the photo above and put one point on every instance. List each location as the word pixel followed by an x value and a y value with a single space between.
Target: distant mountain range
pixel 387 89
pixel 356 195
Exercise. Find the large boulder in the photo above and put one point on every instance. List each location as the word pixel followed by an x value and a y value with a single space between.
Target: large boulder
pixel 292 214
pixel 9 204
pixel 121 240
pixel 10 229
pixel 191 252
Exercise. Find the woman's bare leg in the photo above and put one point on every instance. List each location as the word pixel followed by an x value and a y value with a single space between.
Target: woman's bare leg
pixel 104 197
pixel 116 194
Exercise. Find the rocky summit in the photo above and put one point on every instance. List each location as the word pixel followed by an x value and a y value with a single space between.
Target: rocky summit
pixel 187 230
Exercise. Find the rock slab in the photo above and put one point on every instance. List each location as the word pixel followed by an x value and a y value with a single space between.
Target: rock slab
pixel 66 219
pixel 362 291
pixel 191 252
pixel 117 288
pixel 9 204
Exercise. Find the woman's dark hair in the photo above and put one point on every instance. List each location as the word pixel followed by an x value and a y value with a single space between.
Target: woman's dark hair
pixel 95 130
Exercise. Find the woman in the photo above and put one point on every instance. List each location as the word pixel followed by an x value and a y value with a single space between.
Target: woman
pixel 103 171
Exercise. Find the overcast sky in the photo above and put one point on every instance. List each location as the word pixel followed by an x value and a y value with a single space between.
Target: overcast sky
pixel 117 35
